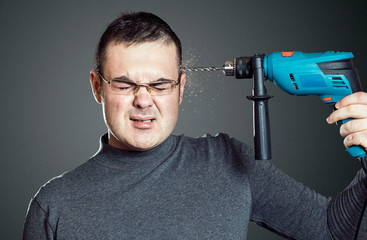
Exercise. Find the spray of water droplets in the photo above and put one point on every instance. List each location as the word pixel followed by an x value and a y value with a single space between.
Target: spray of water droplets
pixel 198 84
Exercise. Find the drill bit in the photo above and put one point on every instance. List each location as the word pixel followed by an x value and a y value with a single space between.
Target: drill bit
pixel 228 68
pixel 201 69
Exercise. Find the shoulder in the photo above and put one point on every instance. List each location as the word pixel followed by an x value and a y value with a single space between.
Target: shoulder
pixel 63 185
pixel 219 148
pixel 220 142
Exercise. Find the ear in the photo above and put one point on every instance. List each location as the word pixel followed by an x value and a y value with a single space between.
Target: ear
pixel 182 87
pixel 95 83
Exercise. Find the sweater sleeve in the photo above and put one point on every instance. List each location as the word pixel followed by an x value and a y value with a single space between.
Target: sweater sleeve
pixel 36 225
pixel 294 211
pixel 346 212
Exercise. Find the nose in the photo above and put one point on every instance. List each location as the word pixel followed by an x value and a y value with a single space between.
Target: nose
pixel 142 98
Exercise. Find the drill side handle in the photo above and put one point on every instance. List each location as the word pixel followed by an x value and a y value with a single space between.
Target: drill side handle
pixel 261 126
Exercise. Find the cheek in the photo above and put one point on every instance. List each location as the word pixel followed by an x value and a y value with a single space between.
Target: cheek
pixel 168 107
pixel 115 108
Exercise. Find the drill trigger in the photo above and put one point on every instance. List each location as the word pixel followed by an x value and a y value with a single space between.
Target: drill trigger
pixel 332 105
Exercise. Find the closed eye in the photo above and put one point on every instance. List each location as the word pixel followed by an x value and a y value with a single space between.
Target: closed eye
pixel 161 86
pixel 122 85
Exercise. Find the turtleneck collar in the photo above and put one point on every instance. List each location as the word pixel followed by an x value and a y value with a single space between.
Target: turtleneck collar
pixel 115 158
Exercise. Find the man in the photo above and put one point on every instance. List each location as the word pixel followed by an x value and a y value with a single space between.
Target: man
pixel 145 183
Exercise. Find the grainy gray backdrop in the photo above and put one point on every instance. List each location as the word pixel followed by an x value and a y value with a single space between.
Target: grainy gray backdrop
pixel 50 122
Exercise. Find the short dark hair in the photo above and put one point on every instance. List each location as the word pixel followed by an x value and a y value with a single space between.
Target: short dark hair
pixel 135 28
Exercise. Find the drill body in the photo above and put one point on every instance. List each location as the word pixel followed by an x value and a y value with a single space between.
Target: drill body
pixel 330 75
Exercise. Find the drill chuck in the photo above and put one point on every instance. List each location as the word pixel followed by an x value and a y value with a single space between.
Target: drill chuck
pixel 239 67
pixel 228 68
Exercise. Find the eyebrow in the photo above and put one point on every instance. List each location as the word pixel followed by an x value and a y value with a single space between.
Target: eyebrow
pixel 125 78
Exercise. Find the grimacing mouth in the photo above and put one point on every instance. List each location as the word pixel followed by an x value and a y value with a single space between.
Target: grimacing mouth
pixel 147 120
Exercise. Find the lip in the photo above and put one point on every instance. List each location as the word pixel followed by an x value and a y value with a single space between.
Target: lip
pixel 142 122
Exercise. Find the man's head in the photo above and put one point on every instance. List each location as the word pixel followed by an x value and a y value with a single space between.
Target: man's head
pixel 138 48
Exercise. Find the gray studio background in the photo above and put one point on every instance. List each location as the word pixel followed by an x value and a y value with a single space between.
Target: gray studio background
pixel 50 122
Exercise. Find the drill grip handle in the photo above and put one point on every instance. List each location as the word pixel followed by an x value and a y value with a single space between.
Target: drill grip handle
pixel 355 151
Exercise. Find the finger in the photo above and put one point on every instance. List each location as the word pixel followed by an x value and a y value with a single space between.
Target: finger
pixel 353 126
pixel 356 139
pixel 355 98
pixel 349 111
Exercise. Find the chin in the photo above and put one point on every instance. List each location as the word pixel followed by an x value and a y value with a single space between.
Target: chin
pixel 141 147
pixel 141 142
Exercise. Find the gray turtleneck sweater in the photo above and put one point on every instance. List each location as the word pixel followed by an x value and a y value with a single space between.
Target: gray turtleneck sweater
pixel 187 188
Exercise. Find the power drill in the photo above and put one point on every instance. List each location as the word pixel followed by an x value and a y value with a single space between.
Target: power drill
pixel 330 75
